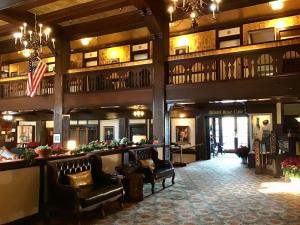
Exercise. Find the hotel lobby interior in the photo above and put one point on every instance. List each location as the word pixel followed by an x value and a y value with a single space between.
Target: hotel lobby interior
pixel 149 112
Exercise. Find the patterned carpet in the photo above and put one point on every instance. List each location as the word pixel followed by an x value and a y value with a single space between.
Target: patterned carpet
pixel 218 191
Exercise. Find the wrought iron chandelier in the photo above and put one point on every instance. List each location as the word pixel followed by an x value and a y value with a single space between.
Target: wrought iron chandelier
pixel 32 41
pixel 194 8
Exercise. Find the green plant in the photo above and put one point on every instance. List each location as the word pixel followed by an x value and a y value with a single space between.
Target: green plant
pixel 27 154
pixel 43 147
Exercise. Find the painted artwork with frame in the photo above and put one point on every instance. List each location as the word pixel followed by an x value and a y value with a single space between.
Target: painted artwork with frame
pixel 24 134
pixel 109 133
pixel 182 134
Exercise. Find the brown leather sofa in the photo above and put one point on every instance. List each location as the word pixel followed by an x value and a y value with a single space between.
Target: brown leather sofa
pixel 74 200
pixel 163 168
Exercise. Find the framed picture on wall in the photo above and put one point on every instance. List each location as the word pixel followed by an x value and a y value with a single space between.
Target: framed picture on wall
pixel 56 138
pixel 24 134
pixel 182 134
pixel 109 133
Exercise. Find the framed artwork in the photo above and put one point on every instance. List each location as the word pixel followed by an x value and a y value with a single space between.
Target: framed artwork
pixel 109 133
pixel 24 134
pixel 182 134
pixel 56 138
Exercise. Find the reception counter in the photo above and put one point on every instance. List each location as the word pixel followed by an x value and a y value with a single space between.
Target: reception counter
pixel 22 183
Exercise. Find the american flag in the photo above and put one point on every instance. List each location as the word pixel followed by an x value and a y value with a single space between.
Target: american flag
pixel 37 69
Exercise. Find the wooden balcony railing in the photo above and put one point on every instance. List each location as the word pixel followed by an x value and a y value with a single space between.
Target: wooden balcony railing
pixel 13 89
pixel 245 62
pixel 115 79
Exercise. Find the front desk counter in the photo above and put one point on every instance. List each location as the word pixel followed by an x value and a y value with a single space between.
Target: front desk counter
pixel 23 184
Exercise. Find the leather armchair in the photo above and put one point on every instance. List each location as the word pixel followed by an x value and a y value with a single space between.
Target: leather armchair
pixel 74 200
pixel 163 168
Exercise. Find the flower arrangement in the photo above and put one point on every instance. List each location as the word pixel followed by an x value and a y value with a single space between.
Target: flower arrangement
pixel 43 150
pixel 33 145
pixel 242 151
pixel 291 167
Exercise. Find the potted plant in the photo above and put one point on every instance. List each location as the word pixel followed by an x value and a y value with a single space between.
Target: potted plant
pixel 124 142
pixel 242 152
pixel 291 169
pixel 43 151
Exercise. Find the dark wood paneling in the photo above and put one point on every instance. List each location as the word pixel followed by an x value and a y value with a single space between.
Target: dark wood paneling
pixel 27 103
pixel 122 98
pixel 238 89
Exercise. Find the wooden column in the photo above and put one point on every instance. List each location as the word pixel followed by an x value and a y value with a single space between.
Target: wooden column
pixel 201 136
pixel 61 66
pixel 41 132
pixel 160 52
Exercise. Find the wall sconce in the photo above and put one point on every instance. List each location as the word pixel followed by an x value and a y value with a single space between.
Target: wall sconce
pixel 138 113
pixel 298 119
pixel 182 115
pixel 71 145
pixel 114 56
pixel 85 41
pixel 182 45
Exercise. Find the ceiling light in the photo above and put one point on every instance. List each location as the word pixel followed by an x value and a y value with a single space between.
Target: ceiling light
pixel 181 115
pixel 7 117
pixel 276 5
pixel 85 41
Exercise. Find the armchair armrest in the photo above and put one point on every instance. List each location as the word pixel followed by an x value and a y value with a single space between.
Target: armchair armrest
pixel 111 179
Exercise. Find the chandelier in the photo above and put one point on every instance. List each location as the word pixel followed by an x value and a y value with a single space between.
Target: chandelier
pixel 32 41
pixel 194 8
pixel 138 112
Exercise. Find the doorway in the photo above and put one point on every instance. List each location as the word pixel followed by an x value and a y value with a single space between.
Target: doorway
pixel 226 133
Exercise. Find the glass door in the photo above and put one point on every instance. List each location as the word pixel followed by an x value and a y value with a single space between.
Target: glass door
pixel 228 132
pixel 242 131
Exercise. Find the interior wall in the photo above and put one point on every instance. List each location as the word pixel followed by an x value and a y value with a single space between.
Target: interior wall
pixel 190 122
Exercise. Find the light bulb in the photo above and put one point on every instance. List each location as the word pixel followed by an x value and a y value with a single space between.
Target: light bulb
pixel 276 5
pixel 213 7
pixel 85 41
pixel 26 53
pixel 171 9
pixel 193 15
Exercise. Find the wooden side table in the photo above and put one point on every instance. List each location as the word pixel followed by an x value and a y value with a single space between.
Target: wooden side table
pixel 133 183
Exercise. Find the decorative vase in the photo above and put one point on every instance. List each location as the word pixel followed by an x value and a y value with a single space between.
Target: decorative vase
pixel 244 160
pixel 43 153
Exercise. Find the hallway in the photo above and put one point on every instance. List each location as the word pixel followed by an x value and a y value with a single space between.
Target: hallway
pixel 218 191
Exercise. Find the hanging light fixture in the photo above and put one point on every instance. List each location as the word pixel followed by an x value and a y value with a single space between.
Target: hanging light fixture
pixel 138 112
pixel 195 8
pixel 32 41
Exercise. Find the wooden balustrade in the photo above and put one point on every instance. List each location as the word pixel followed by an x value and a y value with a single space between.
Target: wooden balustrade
pixel 110 80
pixel 232 66
pixel 15 89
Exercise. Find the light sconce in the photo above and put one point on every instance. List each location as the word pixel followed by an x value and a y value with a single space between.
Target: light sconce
pixel 298 119
pixel 85 41
pixel 71 145
pixel 276 5
pixel 138 113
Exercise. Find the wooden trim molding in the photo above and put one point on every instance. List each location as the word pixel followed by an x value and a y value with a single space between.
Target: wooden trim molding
pixel 10 79
pixel 272 44
pixel 110 66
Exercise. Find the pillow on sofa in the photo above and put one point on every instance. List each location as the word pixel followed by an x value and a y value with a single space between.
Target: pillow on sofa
pixel 80 179
pixel 148 163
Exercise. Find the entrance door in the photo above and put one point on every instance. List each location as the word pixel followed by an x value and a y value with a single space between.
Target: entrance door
pixel 228 131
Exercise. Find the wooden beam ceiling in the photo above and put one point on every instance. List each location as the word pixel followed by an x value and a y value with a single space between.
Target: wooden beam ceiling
pixel 82 10
pixel 29 4
pixel 113 24
pixel 152 13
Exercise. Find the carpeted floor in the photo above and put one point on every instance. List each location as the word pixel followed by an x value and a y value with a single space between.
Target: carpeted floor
pixel 218 191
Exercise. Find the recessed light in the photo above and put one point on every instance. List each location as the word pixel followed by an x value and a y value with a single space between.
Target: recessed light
pixel 276 5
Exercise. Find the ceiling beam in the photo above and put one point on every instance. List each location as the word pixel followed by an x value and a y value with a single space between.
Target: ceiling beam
pixel 152 13
pixel 4 4
pixel 7 29
pixel 30 4
pixel 82 10
pixel 113 24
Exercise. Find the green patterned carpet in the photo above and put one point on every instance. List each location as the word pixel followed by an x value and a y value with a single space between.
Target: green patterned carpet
pixel 218 191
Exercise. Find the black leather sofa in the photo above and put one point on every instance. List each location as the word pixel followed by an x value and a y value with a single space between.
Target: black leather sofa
pixel 74 200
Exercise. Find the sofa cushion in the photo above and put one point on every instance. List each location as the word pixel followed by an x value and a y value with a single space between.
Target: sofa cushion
pixel 148 163
pixel 90 195
pixel 80 179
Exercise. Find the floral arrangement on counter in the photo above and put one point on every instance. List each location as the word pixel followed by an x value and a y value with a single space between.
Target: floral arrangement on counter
pixel 108 145
pixel 291 167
